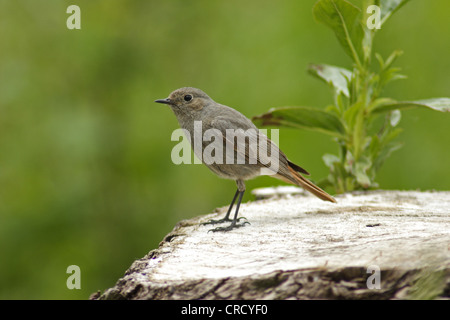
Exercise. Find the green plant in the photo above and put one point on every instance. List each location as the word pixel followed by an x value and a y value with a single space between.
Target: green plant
pixel 363 143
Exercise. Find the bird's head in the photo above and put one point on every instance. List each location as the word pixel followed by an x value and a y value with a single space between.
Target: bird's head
pixel 187 98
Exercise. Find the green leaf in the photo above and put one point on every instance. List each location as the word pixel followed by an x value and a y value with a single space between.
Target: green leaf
pixel 389 75
pixel 437 104
pixel 380 60
pixel 395 117
pixel 351 114
pixel 330 159
pixel 333 109
pixel 345 20
pixel 388 7
pixel 374 147
pixel 361 168
pixel 390 60
pixel 304 118
pixel 335 76
pixel 390 135
pixel 385 153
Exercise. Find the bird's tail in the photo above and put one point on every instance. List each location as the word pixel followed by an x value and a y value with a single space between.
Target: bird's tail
pixel 299 180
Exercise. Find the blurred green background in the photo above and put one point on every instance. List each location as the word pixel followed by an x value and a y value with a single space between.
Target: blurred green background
pixel 86 176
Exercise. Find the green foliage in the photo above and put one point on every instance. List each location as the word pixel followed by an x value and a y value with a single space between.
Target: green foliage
pixel 363 147
pixel 85 170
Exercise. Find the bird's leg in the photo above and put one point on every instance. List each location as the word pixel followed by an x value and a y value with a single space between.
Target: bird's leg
pixel 241 190
pixel 227 216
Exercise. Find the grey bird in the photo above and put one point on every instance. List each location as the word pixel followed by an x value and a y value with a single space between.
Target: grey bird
pixel 192 105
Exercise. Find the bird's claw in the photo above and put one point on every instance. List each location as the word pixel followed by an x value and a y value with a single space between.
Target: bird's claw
pixel 230 227
pixel 222 221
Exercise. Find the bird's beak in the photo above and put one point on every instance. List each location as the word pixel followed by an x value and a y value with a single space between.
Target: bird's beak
pixel 165 101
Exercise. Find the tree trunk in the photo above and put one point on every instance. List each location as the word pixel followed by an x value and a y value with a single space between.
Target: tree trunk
pixel 370 245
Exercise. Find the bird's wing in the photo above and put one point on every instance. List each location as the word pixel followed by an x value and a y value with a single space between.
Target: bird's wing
pixel 249 144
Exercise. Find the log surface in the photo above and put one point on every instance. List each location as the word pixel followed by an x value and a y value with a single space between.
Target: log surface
pixel 298 247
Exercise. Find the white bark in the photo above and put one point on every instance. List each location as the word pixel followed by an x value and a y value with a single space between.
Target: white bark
pixel 295 236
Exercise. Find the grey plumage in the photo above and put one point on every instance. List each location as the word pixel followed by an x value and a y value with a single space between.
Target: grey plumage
pixel 250 145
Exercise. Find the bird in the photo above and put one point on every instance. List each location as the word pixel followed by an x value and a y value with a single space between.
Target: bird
pixel 194 109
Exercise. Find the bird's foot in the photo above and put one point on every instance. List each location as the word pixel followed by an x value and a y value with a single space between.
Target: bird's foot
pixel 232 226
pixel 222 221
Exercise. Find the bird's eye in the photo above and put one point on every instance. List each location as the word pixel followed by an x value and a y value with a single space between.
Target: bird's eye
pixel 188 97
